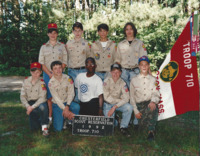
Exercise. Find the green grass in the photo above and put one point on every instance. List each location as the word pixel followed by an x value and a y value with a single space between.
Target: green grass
pixel 175 136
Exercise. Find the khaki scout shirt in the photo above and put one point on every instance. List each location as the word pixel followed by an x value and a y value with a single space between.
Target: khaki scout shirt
pixel 31 91
pixel 77 52
pixel 128 54
pixel 62 91
pixel 49 53
pixel 115 93
pixel 104 58
pixel 143 88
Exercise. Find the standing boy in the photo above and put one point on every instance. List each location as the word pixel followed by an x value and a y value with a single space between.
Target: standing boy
pixel 62 90
pixel 103 51
pixel 33 97
pixel 49 52
pixel 78 50
pixel 116 96
pixel 90 90
pixel 144 97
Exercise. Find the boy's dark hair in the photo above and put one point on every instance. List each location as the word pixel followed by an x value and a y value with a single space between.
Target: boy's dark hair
pixel 91 59
pixel 34 69
pixel 51 30
pixel 77 25
pixel 55 63
pixel 103 26
pixel 133 27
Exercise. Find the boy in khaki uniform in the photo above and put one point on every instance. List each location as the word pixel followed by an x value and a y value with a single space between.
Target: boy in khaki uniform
pixel 49 52
pixel 33 97
pixel 103 51
pixel 129 51
pixel 116 97
pixel 78 50
pixel 62 89
pixel 144 97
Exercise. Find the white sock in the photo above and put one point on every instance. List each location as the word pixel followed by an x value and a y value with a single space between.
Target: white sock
pixel 44 127
pixel 50 118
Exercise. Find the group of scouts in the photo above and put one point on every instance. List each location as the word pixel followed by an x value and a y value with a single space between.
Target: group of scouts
pixel 98 81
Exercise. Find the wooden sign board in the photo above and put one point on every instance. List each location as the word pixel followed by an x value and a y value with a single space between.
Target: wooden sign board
pixel 92 125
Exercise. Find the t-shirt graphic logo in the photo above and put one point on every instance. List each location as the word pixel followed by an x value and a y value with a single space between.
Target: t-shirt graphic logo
pixel 83 88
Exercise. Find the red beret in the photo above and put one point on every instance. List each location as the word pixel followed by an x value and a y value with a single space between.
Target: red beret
pixel 52 26
pixel 35 65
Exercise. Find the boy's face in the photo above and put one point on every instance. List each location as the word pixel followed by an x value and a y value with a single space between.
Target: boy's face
pixel 90 66
pixel 36 74
pixel 77 32
pixel 103 33
pixel 115 74
pixel 53 36
pixel 144 67
pixel 129 31
pixel 57 70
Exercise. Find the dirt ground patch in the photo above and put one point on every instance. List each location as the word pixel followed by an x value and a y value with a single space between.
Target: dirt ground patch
pixel 11 83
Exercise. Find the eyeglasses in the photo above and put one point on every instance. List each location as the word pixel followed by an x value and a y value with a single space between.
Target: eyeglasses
pixel 90 64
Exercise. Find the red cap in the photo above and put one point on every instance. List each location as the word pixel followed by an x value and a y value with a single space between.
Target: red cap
pixel 35 65
pixel 52 26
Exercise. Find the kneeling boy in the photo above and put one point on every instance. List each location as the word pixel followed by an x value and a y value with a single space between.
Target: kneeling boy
pixel 90 90
pixel 33 97
pixel 62 90
pixel 116 96
pixel 144 97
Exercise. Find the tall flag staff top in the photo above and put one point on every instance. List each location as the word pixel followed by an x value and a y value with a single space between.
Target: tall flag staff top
pixel 177 78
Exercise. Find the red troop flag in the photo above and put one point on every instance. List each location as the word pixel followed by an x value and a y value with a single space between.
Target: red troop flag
pixel 177 78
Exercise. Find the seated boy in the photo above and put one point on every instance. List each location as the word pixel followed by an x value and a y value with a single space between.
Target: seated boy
pixel 144 97
pixel 33 97
pixel 116 96
pixel 62 90
pixel 90 90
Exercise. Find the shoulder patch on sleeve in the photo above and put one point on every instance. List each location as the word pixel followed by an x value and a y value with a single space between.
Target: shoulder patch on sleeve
pixel 70 80
pixel 89 45
pixel 43 86
pixel 42 80
pixel 126 88
pixel 144 47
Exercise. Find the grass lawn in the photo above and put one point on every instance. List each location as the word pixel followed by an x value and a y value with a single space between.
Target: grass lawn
pixel 175 136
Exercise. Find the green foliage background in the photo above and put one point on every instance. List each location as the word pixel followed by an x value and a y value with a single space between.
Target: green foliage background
pixel 22 34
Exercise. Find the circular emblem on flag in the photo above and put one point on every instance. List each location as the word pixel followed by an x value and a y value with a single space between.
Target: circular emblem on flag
pixel 169 72
pixel 83 88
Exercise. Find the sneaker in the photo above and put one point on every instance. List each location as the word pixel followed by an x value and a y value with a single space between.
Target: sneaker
pixel 150 136
pixel 45 133
pixel 125 132
pixel 67 124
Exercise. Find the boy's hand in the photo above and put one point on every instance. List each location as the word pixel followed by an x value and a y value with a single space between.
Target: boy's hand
pixel 67 113
pixel 112 110
pixel 152 106
pixel 29 110
pixel 138 115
